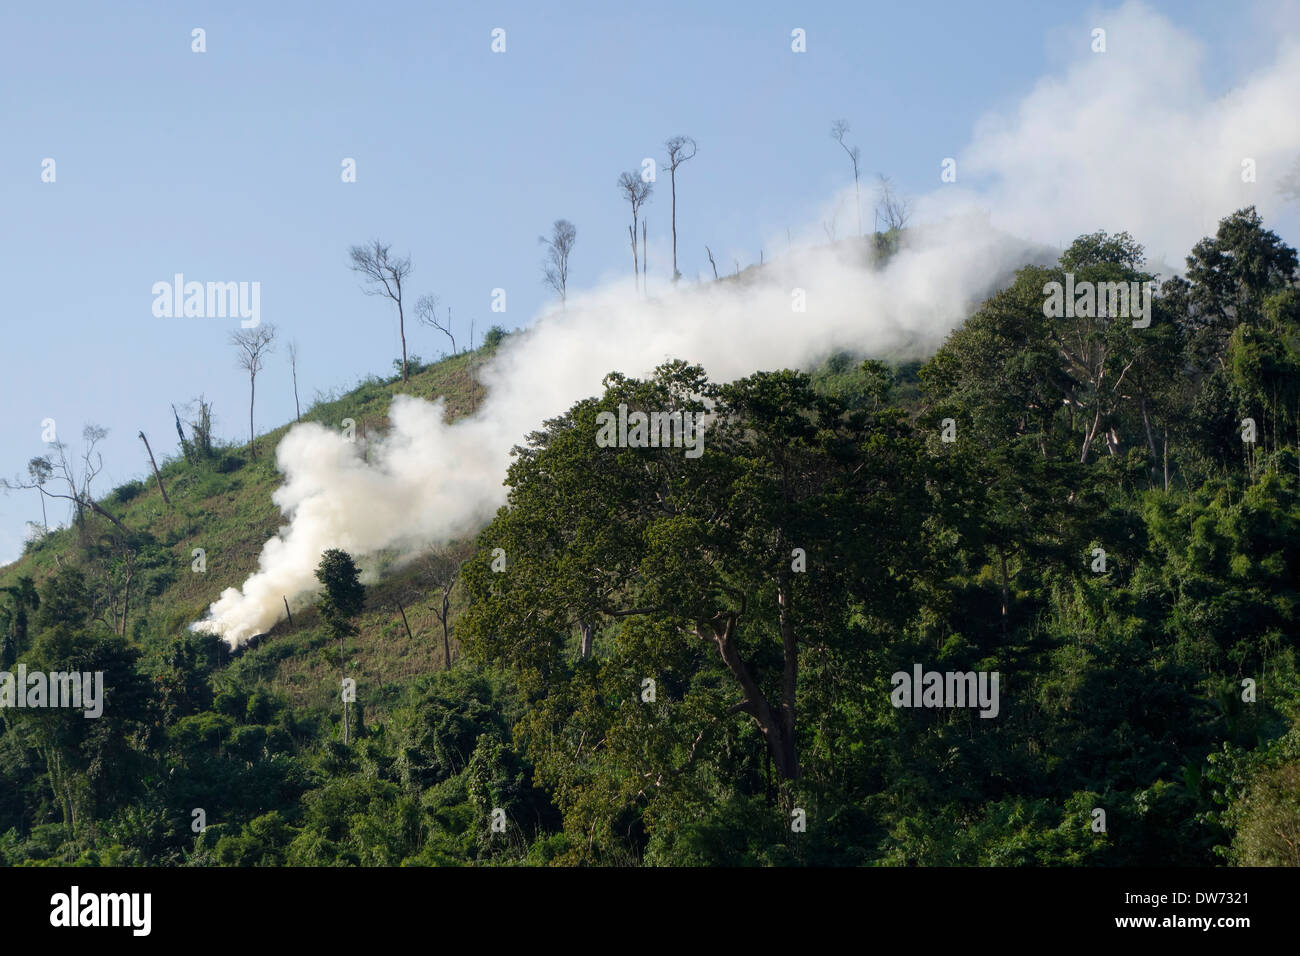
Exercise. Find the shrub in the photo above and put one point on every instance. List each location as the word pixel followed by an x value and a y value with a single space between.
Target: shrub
pixel 228 463
pixel 414 365
pixel 124 493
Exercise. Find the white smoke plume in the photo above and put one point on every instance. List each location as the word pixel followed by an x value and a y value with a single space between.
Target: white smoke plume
pixel 426 480
pixel 1123 140
pixel 1129 139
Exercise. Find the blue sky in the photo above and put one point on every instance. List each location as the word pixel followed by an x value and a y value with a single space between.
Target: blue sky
pixel 225 166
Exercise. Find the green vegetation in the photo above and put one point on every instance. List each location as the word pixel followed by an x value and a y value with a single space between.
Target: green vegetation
pixel 689 660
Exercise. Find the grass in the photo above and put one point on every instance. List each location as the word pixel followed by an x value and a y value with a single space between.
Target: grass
pixel 224 507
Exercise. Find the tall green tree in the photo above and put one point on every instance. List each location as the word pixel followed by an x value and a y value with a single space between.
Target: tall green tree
pixel 340 602
pixel 1230 276
pixel 796 532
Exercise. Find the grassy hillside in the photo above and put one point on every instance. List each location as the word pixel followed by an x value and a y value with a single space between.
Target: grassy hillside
pixel 224 506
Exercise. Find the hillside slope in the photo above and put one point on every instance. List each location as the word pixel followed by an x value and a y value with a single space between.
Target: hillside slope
pixel 224 507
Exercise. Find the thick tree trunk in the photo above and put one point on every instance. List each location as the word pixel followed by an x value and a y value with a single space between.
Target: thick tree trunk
pixel 588 639
pixel 781 745
pixel 100 511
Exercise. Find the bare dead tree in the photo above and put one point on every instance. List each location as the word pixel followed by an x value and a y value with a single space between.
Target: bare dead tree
pixel 680 149
pixel 41 470
pixel 185 445
pixel 91 436
pixel 441 569
pixel 838 130
pixel 251 348
pixel 293 367
pixel 405 623
pixel 384 275
pixel 426 310
pixel 712 263
pixel 555 267
pixel 636 191
pixel 891 207
pixel 156 475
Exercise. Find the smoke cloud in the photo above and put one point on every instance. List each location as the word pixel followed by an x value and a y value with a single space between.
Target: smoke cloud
pixel 1122 140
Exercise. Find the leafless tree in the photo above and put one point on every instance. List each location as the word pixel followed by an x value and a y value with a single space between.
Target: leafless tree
pixel 251 348
pixel 680 149
pixel 426 310
pixel 636 191
pixel 838 130
pixel 40 470
pixel 891 207
pixel 185 445
pixel 555 267
pixel 156 473
pixel 441 568
pixel 384 274
pixel 711 262
pixel 293 367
